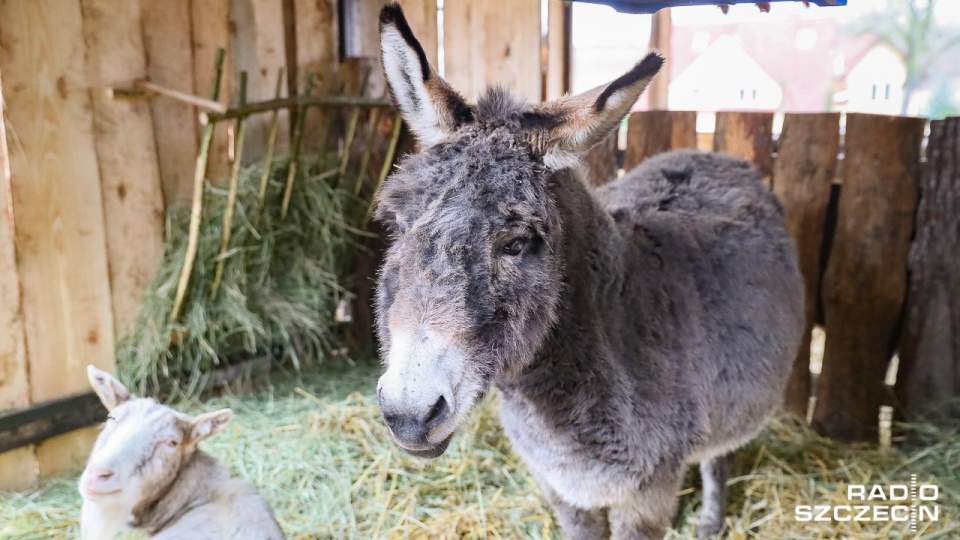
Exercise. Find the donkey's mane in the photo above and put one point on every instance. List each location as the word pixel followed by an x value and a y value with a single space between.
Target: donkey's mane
pixel 497 104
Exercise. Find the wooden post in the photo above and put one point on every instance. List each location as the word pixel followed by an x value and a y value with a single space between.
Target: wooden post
pixel 559 30
pixel 168 45
pixel 490 41
pixel 126 152
pixel 929 372
pixel 18 468
pixel 259 48
pixel 866 276
pixel 660 29
pixel 747 135
pixel 802 176
pixel 600 163
pixel 211 30
pixel 55 188
pixel 652 132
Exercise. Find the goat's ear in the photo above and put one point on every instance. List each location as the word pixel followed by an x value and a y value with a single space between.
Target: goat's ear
pixel 430 106
pixel 208 424
pixel 111 391
pixel 563 129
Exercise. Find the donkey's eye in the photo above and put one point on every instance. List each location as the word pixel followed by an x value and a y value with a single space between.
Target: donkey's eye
pixel 515 246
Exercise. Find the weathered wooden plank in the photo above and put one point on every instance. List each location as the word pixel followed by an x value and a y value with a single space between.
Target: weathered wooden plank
pixel 489 41
pixel 929 373
pixel 747 135
pixel 259 48
pixel 126 153
pixel 55 187
pixel 559 37
pixel 317 51
pixel 802 175
pixel 210 20
pixel 18 469
pixel 865 281
pixel 652 132
pixel 168 47
pixel 600 163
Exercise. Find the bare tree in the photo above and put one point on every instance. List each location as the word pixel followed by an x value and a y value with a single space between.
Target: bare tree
pixel 910 28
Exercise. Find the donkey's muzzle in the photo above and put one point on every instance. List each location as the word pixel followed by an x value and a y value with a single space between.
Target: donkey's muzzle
pixel 411 426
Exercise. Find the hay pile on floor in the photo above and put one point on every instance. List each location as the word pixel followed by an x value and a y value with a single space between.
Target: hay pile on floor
pixel 280 288
pixel 323 458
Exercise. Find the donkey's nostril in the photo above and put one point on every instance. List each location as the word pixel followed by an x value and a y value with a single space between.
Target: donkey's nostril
pixel 438 413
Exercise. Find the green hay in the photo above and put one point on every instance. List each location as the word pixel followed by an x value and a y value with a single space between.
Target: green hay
pixel 281 283
pixel 322 457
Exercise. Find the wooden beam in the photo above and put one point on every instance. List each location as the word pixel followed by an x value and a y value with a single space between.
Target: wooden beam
pixel 49 419
pixel 18 469
pixel 653 132
pixel 660 30
pixel 802 177
pixel 929 375
pixel 489 41
pixel 866 277
pixel 57 200
pixel 559 31
pixel 210 31
pixel 126 153
pixel 168 46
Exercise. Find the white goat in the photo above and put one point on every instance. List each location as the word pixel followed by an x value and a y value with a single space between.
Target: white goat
pixel 147 472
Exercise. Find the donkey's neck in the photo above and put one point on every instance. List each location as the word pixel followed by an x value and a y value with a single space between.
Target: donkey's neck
pixel 195 484
pixel 592 271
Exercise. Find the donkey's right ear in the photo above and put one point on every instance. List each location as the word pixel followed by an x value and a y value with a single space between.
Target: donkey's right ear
pixel 430 106
pixel 111 391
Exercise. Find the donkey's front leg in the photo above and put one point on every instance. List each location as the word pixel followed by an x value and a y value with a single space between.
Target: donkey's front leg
pixel 649 514
pixel 575 523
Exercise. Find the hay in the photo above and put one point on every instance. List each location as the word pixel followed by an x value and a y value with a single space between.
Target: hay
pixel 322 456
pixel 282 280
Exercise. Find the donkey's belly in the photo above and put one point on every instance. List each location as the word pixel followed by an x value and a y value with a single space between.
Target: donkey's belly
pixel 580 481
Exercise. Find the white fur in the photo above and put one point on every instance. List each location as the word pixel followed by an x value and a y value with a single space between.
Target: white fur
pixel 400 58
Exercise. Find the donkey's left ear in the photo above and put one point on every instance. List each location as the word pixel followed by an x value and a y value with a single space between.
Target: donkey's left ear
pixel 430 106
pixel 563 129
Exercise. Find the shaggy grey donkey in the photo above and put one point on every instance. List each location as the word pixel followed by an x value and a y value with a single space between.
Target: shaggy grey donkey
pixel 632 330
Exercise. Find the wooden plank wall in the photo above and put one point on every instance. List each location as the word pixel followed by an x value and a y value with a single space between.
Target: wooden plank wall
pixel 57 200
pixel 487 41
pixel 17 468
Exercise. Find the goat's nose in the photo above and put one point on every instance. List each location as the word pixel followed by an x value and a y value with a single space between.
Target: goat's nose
pixel 414 425
pixel 100 474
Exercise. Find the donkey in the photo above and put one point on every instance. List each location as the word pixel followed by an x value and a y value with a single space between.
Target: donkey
pixel 632 330
pixel 146 472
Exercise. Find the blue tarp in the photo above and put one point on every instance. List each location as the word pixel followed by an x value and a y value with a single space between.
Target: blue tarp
pixel 652 6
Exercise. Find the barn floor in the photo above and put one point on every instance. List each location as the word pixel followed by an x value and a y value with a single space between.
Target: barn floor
pixel 317 448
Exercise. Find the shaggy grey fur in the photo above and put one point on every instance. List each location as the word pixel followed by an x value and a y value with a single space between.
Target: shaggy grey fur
pixel 643 326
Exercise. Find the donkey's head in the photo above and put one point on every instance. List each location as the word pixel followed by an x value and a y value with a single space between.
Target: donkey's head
pixel 471 282
pixel 138 453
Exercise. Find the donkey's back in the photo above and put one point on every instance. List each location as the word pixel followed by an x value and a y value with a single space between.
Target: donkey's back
pixel 707 237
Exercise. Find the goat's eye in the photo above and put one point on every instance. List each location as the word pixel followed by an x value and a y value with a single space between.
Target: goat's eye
pixel 172 443
pixel 110 417
pixel 515 246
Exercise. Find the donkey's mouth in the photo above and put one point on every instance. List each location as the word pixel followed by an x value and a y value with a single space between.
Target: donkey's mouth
pixel 429 452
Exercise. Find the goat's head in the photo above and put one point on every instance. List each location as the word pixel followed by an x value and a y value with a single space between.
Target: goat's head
pixel 142 446
pixel 471 282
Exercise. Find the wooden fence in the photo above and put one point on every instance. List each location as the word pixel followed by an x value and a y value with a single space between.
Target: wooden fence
pixel 877 231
